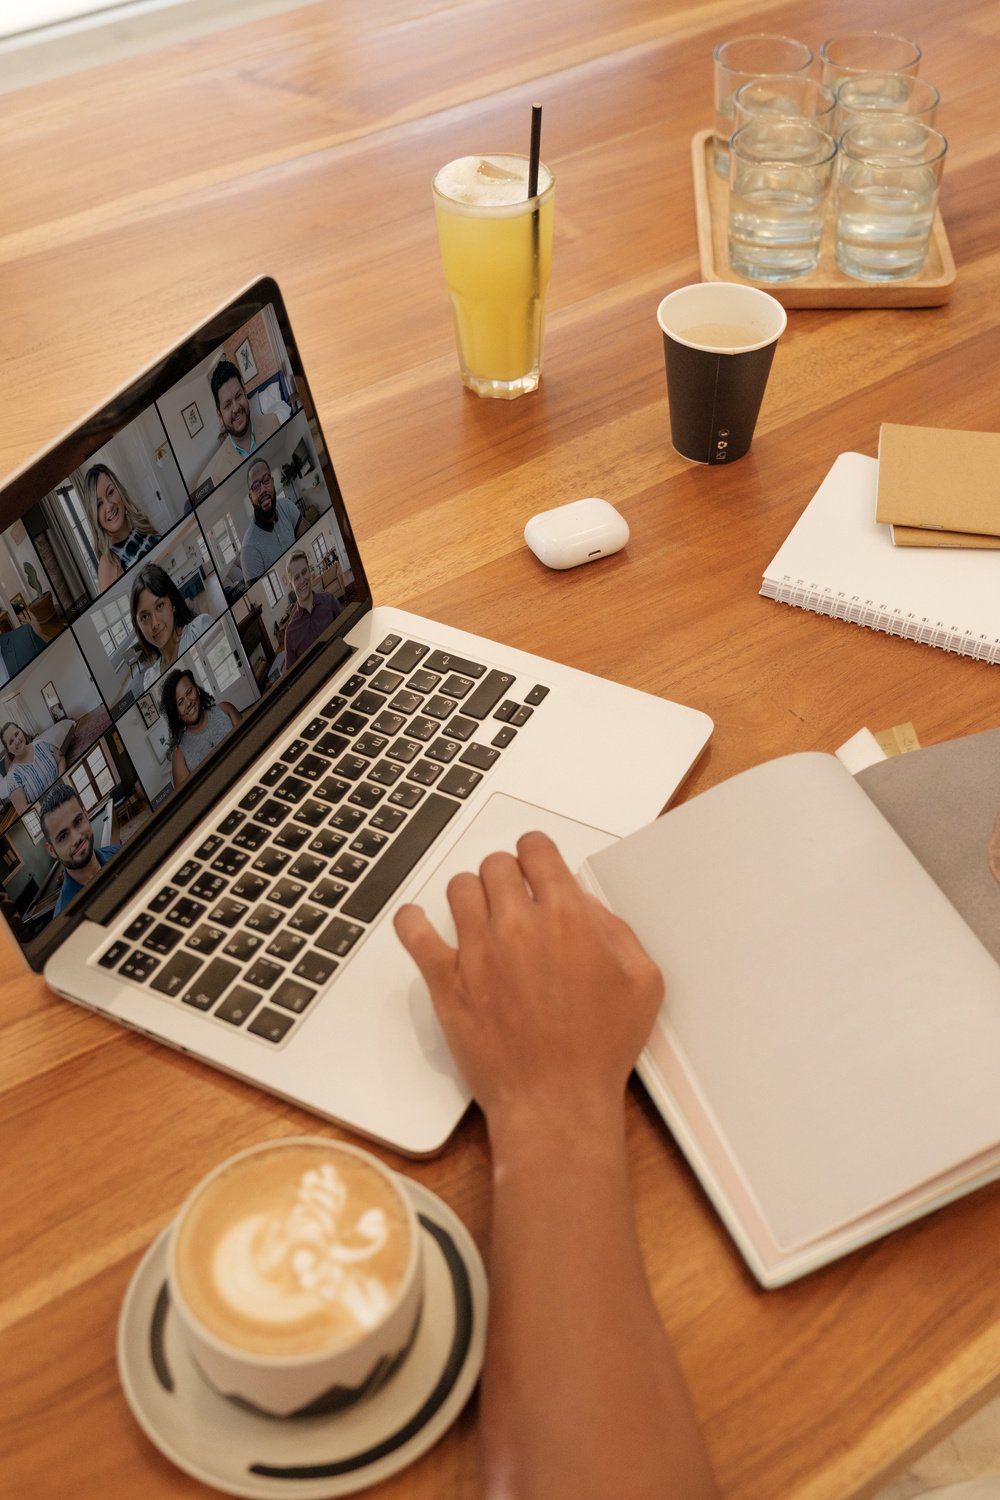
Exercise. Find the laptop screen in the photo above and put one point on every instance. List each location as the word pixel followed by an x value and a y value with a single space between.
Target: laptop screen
pixel 164 569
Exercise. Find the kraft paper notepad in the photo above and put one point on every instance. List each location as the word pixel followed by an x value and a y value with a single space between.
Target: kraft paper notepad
pixel 827 1052
pixel 939 480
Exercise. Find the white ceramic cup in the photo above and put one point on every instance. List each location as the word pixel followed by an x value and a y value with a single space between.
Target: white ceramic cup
pixel 295 1269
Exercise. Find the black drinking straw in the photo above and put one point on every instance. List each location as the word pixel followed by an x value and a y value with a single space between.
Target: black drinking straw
pixel 533 159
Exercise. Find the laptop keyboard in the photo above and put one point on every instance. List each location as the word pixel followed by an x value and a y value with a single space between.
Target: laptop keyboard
pixel 275 899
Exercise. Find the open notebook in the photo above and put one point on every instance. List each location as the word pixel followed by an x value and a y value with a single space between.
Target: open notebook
pixel 827 1053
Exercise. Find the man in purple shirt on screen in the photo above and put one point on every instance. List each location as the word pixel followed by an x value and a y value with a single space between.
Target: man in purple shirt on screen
pixel 313 611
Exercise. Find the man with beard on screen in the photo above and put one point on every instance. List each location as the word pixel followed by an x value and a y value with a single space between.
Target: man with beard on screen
pixel 275 526
pixel 69 838
pixel 242 432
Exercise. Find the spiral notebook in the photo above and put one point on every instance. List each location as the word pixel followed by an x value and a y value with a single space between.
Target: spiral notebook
pixel 837 560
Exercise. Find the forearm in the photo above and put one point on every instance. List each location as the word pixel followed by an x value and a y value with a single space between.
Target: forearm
pixel 582 1396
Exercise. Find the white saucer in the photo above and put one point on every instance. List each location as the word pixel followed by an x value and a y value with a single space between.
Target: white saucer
pixel 310 1458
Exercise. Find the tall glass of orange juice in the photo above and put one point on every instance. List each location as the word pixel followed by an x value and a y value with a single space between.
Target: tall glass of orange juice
pixel 496 246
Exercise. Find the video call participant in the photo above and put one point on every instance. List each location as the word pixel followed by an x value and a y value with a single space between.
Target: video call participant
pixel 314 610
pixel 195 721
pixel 546 1003
pixel 244 433
pixel 69 838
pixel 164 624
pixel 122 533
pixel 275 527
pixel 32 765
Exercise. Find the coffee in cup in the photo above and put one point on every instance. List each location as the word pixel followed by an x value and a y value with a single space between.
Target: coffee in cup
pixel 296 1272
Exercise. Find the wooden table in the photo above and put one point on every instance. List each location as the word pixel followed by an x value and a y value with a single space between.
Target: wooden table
pixel 135 199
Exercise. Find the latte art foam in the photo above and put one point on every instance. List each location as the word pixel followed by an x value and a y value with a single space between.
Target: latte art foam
pixel 294 1250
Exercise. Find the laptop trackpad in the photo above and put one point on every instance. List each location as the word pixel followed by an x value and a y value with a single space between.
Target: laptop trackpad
pixel 499 825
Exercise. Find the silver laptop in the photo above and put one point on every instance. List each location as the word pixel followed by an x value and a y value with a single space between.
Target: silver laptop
pixel 224 766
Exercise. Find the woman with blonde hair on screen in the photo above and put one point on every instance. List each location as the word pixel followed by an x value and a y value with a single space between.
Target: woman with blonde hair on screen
pixel 122 533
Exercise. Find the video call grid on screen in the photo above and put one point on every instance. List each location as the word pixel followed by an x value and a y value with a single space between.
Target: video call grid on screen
pixel 104 627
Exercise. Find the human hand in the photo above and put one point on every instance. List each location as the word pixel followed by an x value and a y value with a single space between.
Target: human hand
pixel 548 998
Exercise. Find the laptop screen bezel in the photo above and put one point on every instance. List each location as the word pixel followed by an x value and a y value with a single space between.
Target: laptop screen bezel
pixel 176 818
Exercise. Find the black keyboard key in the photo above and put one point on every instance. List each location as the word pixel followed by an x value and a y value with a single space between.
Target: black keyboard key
pixel 250 886
pixel 425 773
pixel 405 750
pixel 326 843
pixel 293 995
pixel 406 702
pixel 291 837
pixel 347 723
pixel 273 774
pixel 386 681
pixel 211 983
pixel 230 861
pixel 369 842
pixel 162 899
pixel 456 687
pixel 422 729
pixel 503 736
pixel 406 795
pixel 385 772
pixel 332 789
pixel 480 756
pixel 521 715
pixel 312 767
pixel 333 744
pixel 316 967
pixel 273 813
pixel 389 644
pixel 406 658
pixel 368 702
pixel 536 694
pixel 349 867
pixel 487 695
pixel 308 867
pixel 439 707
pixel 347 818
pixel 250 837
pixel 272 1025
pixel 207 887
pixel 186 873
pixel 185 912
pixel 507 710
pixel 286 946
pixel 388 872
pixel 293 789
pixel 461 728
pixel 334 706
pixel 205 939
pixel 313 728
pixel 286 893
pixel 443 661
pixel 370 745
pixel 138 925
pixel 389 723
pixel 265 918
pixel 110 957
pixel 387 818
pixel 366 794
pixel 351 766
pixel 161 939
pixel 253 796
pixel 211 846
pixel 443 750
pixel 177 972
pixel 352 685
pixel 369 665
pixel 238 1005
pixel 227 912
pixel 243 945
pixel 292 752
pixel 264 974
pixel 327 893
pixel 338 937
pixel 424 682
pixel 139 966
pixel 231 822
pixel 270 862
pixel 308 919
pixel 460 781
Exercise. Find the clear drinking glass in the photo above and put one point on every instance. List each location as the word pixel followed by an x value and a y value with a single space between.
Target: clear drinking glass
pixel 793 94
pixel 888 177
pixel 496 249
pixel 740 60
pixel 853 52
pixel 868 94
pixel 779 177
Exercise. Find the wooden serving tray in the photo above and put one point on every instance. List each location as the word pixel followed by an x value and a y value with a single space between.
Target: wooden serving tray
pixel 827 286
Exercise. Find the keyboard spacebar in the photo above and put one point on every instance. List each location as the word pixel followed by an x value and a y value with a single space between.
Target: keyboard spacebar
pixel 391 869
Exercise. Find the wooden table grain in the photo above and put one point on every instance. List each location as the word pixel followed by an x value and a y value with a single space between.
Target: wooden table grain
pixel 135 198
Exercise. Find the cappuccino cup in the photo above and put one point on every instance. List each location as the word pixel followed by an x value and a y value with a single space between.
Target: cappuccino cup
pixel 295 1269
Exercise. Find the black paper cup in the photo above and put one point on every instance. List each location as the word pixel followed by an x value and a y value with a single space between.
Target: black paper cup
pixel 718 344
